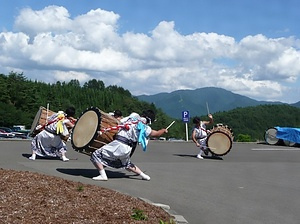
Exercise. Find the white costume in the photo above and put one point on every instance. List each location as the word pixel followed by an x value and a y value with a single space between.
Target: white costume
pixel 48 143
pixel 116 154
pixel 201 136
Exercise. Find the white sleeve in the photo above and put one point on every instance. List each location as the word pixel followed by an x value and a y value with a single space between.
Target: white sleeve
pixel 148 130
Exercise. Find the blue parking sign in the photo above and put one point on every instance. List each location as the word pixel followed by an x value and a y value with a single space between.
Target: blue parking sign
pixel 185 116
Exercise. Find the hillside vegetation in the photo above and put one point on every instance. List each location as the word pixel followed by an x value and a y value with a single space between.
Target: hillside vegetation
pixel 199 100
pixel 20 99
pixel 254 121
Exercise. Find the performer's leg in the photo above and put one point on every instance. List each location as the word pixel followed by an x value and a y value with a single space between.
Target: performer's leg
pixel 33 148
pixel 202 148
pixel 199 156
pixel 135 169
pixel 33 156
pixel 63 156
pixel 101 170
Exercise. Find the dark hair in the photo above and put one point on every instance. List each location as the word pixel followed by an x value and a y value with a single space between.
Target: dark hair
pixel 196 120
pixel 70 111
pixel 117 113
pixel 149 115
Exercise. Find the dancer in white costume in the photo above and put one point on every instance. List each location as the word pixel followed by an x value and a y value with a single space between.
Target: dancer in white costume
pixel 117 153
pixel 199 134
pixel 48 143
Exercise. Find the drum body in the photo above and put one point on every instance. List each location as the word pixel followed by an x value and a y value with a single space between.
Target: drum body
pixel 86 136
pixel 219 140
pixel 270 136
pixel 289 143
pixel 40 119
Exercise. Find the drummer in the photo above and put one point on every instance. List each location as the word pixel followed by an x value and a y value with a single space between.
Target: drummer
pixel 199 134
pixel 117 153
pixel 118 115
pixel 48 142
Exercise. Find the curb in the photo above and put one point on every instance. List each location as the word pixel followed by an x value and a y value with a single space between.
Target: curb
pixel 179 219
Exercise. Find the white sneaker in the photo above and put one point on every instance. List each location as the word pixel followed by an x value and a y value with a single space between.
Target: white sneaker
pixel 199 156
pixel 146 177
pixel 32 157
pixel 65 159
pixel 100 177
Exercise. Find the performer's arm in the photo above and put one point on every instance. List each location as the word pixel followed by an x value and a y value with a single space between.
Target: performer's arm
pixel 194 138
pixel 211 120
pixel 157 133
pixel 69 124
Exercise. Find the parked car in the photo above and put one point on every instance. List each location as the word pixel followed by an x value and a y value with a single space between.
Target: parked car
pixel 175 140
pixel 13 134
pixel 4 134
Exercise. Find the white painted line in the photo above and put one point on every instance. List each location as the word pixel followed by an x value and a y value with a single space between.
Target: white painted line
pixel 277 149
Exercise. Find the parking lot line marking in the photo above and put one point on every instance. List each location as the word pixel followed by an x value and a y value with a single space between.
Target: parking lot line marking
pixel 276 149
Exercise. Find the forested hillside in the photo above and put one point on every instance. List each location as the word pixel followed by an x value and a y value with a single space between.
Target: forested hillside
pixel 20 99
pixel 197 101
pixel 254 121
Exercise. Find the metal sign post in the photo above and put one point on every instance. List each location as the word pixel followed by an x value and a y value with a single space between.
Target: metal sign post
pixel 186 119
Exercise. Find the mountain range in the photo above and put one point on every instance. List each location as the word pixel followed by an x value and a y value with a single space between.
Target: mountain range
pixel 200 101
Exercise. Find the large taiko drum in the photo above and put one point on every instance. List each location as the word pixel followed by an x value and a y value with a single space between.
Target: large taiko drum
pixel 86 136
pixel 270 136
pixel 219 140
pixel 40 119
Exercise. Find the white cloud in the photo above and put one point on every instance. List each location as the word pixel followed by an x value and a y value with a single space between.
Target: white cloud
pixel 52 18
pixel 71 75
pixel 89 46
pixel 286 65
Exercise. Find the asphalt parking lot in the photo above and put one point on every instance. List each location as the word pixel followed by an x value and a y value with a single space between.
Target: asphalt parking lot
pixel 253 183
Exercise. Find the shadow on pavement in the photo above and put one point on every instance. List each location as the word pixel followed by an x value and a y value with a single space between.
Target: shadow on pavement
pixel 26 155
pixel 205 157
pixel 213 157
pixel 89 173
pixel 185 155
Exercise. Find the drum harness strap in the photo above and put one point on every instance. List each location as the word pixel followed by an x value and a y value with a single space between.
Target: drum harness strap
pixel 141 138
pixel 116 128
pixel 59 130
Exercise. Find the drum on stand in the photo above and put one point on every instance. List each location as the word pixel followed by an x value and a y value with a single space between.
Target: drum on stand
pixel 270 136
pixel 219 140
pixel 40 119
pixel 289 143
pixel 86 136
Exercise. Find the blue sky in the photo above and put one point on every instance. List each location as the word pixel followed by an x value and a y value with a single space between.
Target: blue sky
pixel 249 47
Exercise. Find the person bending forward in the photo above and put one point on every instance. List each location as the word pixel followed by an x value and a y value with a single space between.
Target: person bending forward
pixel 48 142
pixel 116 154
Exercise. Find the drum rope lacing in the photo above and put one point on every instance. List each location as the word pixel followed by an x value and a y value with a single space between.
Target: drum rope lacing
pixel 119 126
pixel 41 127
pixel 142 136
pixel 58 119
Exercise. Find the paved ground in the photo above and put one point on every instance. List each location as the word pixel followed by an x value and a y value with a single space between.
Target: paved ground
pixel 254 183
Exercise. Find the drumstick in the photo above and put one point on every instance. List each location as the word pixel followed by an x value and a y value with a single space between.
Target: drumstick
pixel 170 125
pixel 208 147
pixel 47 113
pixel 207 108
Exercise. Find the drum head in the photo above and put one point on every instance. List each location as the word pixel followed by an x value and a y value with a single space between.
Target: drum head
pixel 270 136
pixel 85 129
pixel 36 120
pixel 219 143
pixel 40 119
